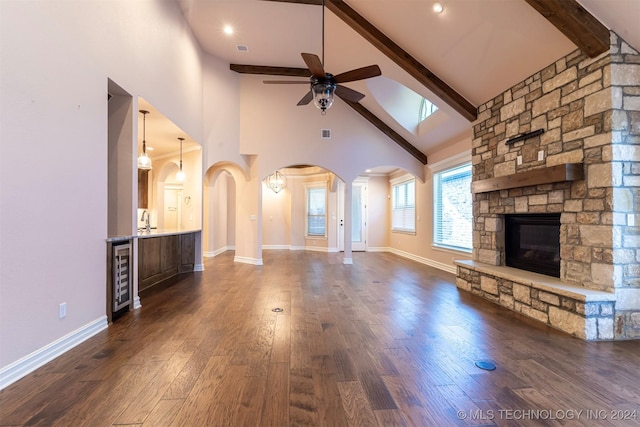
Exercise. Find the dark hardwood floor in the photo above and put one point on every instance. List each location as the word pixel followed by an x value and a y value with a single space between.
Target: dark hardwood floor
pixel 385 341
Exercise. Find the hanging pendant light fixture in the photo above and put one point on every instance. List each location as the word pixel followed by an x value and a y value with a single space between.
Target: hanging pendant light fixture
pixel 144 161
pixel 323 89
pixel 180 176
pixel 276 182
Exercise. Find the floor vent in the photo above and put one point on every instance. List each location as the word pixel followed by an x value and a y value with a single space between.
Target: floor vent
pixel 325 133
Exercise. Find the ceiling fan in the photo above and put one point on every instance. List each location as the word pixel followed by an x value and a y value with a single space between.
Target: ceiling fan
pixel 324 85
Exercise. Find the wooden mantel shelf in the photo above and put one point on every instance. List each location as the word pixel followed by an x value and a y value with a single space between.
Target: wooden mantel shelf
pixel 548 175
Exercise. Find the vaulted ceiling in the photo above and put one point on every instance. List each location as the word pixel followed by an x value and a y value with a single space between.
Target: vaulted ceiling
pixel 458 59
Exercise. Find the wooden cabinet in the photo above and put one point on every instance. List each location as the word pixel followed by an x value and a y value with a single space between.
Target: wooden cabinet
pixel 187 251
pixel 162 257
pixel 143 189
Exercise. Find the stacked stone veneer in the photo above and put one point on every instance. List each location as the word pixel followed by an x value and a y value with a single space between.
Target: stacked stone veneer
pixel 589 109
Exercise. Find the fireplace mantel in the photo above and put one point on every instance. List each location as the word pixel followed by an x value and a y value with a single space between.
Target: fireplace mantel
pixel 548 175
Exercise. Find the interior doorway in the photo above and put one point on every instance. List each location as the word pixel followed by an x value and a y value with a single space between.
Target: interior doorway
pixel 358 215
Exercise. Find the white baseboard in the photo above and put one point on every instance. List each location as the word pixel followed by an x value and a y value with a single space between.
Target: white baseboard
pixel 211 254
pixel 379 249
pixel 245 260
pixel 275 247
pixel 136 302
pixel 348 261
pixel 439 265
pixel 22 367
pixel 198 267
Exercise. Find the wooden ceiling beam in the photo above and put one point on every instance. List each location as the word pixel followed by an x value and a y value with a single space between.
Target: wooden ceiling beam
pixel 576 23
pixel 398 55
pixel 382 126
pixel 403 59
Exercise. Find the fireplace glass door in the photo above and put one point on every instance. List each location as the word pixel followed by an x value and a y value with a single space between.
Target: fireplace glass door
pixel 532 243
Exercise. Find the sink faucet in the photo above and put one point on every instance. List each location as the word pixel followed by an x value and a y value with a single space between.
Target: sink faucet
pixel 147 220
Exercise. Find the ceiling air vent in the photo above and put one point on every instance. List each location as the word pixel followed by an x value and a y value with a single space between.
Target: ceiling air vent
pixel 325 133
pixel 242 48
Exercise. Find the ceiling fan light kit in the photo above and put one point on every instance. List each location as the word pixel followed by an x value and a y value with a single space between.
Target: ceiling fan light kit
pixel 323 92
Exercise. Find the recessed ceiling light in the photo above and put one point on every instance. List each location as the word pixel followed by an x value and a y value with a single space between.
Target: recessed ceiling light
pixel 437 7
pixel 228 30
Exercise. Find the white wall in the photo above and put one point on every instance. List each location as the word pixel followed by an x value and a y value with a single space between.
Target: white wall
pixel 56 60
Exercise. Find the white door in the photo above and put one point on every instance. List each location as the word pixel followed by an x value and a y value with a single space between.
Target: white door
pixel 172 208
pixel 358 216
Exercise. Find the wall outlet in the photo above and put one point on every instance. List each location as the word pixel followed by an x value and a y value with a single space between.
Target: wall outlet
pixel 62 310
pixel 519 160
pixel 540 155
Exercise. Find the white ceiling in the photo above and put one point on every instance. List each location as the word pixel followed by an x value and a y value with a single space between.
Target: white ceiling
pixel 479 48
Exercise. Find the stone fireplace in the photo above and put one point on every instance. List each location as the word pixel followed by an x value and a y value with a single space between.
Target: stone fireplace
pixel 583 164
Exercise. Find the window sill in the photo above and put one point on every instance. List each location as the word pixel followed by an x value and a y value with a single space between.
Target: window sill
pixel 410 233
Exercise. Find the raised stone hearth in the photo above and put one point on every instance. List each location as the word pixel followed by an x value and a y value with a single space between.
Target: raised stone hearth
pixel 589 112
pixel 582 312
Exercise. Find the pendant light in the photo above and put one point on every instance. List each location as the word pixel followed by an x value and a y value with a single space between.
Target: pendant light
pixel 144 162
pixel 276 182
pixel 180 176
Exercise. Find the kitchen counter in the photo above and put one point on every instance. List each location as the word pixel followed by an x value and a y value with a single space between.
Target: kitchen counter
pixel 155 232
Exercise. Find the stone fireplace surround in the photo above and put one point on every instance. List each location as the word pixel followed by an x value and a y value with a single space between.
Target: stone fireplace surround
pixel 589 109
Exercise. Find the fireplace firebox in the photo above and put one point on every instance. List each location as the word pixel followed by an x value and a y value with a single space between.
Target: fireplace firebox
pixel 532 243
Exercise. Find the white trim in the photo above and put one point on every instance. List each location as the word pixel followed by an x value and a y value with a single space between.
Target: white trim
pixel 209 254
pixel 275 247
pixel 439 265
pixel 402 178
pixel 136 302
pixel 245 260
pixel 22 367
pixel 198 267
pixel 297 248
pixel 452 161
pixel 379 249
pixel 347 261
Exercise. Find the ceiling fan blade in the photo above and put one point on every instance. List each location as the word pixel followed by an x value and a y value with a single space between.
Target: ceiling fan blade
pixel 306 99
pixel 284 82
pixel 314 64
pixel 358 74
pixel 348 94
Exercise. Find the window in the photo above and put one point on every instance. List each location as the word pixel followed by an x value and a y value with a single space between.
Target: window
pixel 403 206
pixel 316 210
pixel 427 108
pixel 453 208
